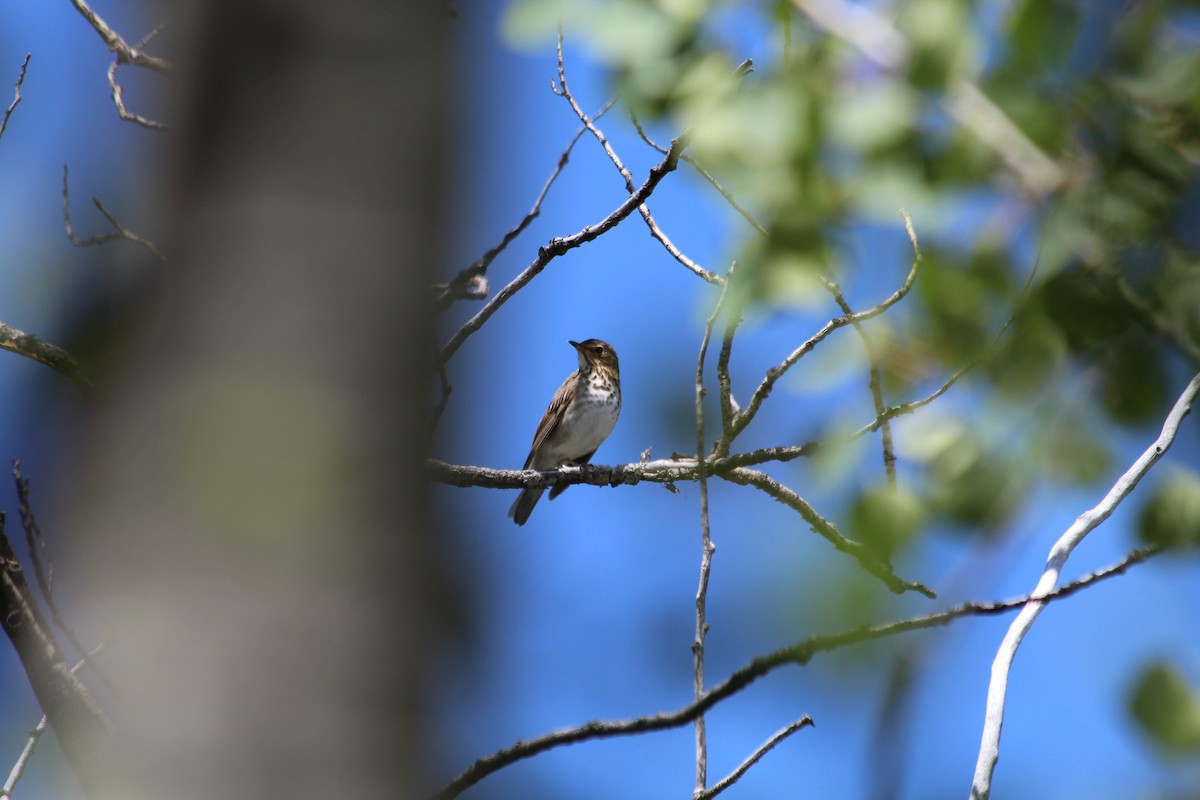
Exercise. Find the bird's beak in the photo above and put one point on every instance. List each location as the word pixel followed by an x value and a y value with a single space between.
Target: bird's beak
pixel 576 345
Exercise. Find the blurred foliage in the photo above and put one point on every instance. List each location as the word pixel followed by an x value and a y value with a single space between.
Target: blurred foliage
pixel 1168 710
pixel 822 139
pixel 1171 515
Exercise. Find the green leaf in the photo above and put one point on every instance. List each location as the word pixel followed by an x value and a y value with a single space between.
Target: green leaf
pixel 1167 710
pixel 886 519
pixel 1171 516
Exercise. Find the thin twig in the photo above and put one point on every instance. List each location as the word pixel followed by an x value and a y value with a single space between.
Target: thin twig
pixel 470 283
pixel 691 161
pixel 913 405
pixel 799 653
pixel 707 548
pixel 119 231
pixel 118 92
pixel 763 749
pixel 874 383
pixel 564 91
pixel 16 94
pixel 1085 523
pixel 729 407
pixel 742 419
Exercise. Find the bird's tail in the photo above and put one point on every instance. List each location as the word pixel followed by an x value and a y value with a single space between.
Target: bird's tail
pixel 523 507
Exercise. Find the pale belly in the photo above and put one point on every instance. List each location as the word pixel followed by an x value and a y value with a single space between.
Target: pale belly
pixel 584 429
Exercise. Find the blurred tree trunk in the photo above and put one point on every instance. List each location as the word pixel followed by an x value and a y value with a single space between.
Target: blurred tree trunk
pixel 248 488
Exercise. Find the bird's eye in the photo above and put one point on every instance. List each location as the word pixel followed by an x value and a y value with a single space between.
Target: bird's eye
pixel 599 350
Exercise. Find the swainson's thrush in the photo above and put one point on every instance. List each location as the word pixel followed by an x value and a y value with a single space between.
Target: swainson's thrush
pixel 580 417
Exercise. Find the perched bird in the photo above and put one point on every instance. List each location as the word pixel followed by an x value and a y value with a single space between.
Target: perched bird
pixel 580 417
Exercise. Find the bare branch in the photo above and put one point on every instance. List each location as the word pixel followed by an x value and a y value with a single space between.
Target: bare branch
pixel 119 231
pixel 16 94
pixel 559 246
pixel 800 654
pixel 763 749
pixel 707 548
pixel 1085 523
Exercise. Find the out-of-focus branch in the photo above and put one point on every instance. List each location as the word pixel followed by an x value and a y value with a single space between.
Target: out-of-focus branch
pixel 35 735
pixel 1085 523
pixel 118 92
pixel 81 728
pixel 799 653
pixel 30 346
pixel 126 54
pixel 882 44
pixel 16 94
pixel 119 231
pixel 43 570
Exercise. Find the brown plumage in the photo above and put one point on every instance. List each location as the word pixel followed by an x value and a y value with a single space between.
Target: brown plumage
pixel 580 417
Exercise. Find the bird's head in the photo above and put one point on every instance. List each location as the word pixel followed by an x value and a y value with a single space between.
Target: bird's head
pixel 595 353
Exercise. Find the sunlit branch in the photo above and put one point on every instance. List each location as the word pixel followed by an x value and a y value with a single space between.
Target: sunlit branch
pixel 1085 523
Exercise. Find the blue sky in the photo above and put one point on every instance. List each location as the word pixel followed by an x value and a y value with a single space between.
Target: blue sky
pixel 587 612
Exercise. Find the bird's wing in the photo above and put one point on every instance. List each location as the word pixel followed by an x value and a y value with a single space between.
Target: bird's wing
pixel 553 416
